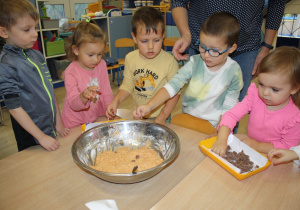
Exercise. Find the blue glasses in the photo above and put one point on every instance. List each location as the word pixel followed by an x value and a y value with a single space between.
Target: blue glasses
pixel 212 52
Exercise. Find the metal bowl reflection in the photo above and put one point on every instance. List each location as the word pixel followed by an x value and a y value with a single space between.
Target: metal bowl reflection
pixel 133 134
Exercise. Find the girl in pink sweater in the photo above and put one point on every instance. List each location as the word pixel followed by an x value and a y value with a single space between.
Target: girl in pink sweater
pixel 88 90
pixel 274 119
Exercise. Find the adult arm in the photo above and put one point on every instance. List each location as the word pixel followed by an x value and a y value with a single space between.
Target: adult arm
pixel 273 21
pixel 180 16
pixel 26 122
pixel 269 37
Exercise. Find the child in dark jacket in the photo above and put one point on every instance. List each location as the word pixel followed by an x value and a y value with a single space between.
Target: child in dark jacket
pixel 25 81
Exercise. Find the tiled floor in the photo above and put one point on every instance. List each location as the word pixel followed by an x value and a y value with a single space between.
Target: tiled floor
pixel 8 143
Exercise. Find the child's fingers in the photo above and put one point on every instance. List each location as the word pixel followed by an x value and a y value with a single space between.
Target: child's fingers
pixel 136 115
pixel 65 132
pixel 274 153
pixel 141 112
pixel 110 113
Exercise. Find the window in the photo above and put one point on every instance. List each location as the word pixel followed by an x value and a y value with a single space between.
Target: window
pixel 290 26
pixel 77 7
pixel 55 11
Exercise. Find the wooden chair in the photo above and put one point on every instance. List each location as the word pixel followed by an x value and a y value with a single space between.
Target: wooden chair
pixel 193 123
pixel 114 69
pixel 124 43
pixel 169 43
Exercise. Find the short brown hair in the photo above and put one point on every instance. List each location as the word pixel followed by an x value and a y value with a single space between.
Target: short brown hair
pixel 284 60
pixel 222 24
pixel 85 32
pixel 149 17
pixel 12 10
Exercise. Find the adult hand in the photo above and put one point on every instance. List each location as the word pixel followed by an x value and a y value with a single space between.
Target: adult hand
pixel 262 53
pixel 180 46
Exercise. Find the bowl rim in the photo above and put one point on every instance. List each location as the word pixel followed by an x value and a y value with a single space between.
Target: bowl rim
pixel 160 166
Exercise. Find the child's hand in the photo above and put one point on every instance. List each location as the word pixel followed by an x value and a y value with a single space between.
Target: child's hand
pixel 282 156
pixel 141 111
pixel 90 92
pixel 219 148
pixel 111 111
pixel 160 120
pixel 211 135
pixel 60 128
pixel 48 143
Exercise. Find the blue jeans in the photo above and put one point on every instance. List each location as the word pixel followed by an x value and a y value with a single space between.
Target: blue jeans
pixel 193 52
pixel 246 61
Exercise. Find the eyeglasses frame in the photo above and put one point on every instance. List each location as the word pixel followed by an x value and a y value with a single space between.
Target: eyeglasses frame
pixel 220 53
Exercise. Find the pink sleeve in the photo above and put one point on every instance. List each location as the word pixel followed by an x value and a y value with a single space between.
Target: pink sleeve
pixel 106 91
pixel 231 117
pixel 290 134
pixel 72 90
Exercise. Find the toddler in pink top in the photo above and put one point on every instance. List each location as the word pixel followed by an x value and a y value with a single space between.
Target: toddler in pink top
pixel 274 119
pixel 88 91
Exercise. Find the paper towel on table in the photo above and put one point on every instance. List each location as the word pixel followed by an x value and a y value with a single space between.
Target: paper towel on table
pixel 102 205
pixel 237 145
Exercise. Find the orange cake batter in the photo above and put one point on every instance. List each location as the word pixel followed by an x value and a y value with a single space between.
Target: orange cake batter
pixel 125 160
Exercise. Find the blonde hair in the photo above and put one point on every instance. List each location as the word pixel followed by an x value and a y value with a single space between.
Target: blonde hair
pixel 12 10
pixel 85 32
pixel 284 60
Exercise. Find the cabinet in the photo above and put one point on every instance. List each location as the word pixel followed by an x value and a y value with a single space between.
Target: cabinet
pixel 115 27
pixel 49 32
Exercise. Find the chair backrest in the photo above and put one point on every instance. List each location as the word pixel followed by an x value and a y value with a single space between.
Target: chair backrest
pixel 193 123
pixel 124 42
pixel 170 41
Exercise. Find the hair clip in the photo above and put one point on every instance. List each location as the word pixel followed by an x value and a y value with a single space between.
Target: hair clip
pixel 88 19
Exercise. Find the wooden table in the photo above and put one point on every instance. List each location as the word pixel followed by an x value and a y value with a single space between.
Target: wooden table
pixel 37 179
pixel 209 186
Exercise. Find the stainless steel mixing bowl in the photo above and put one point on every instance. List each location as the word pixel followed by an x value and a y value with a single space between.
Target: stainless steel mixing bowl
pixel 133 134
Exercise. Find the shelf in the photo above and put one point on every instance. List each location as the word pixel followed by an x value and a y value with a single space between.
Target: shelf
pixel 49 29
pixel 97 18
pixel 54 56
pixel 58 83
